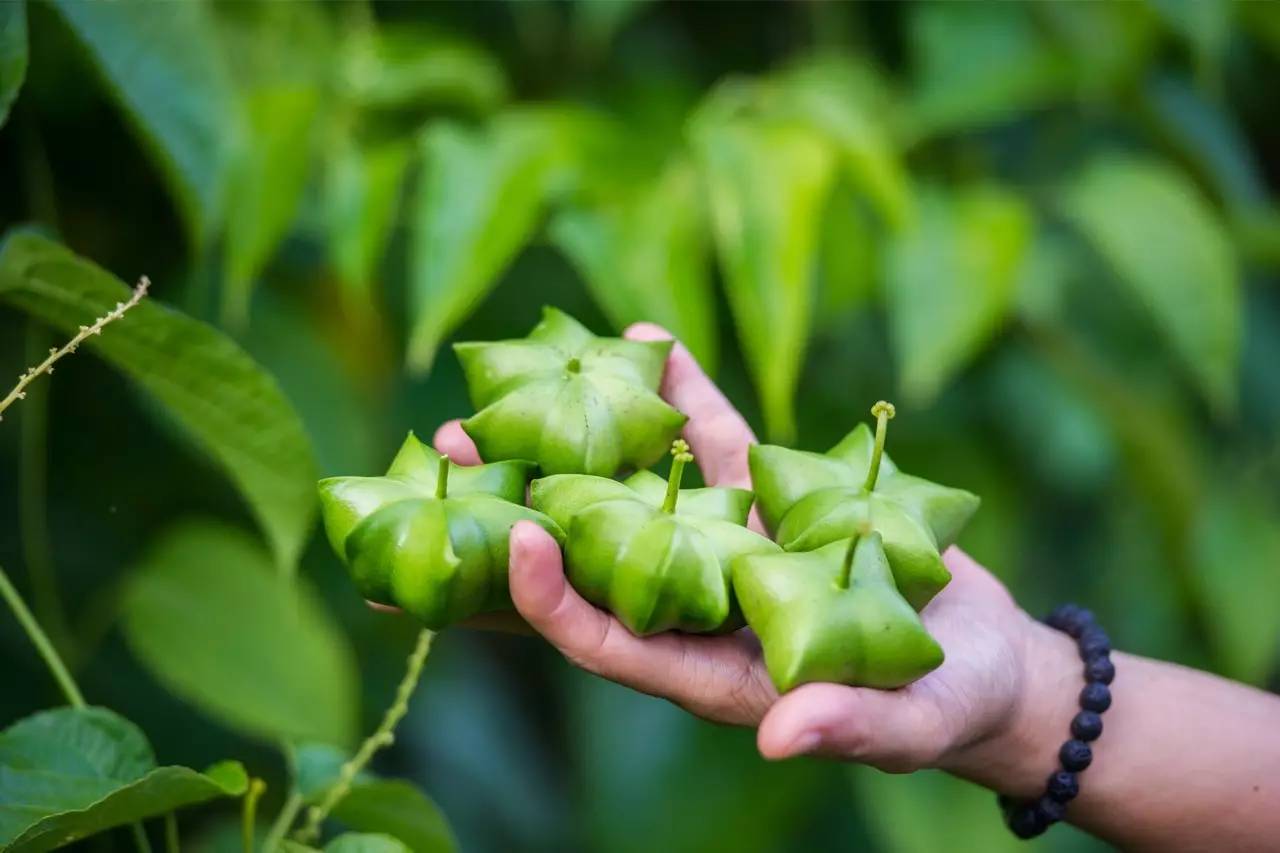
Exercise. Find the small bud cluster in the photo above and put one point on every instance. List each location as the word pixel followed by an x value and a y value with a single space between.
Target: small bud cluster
pixel 19 391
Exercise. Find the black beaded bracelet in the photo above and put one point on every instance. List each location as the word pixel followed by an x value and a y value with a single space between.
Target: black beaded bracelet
pixel 1027 819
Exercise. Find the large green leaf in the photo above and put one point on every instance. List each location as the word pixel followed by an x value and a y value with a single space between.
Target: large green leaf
pixel 272 165
pixel 643 254
pixel 391 806
pixel 162 64
pixel 362 189
pixel 979 63
pixel 408 66
pixel 845 100
pixel 227 403
pixel 13 53
pixel 479 201
pixel 1236 552
pixel 205 613
pixel 398 809
pixel 1170 250
pixel 364 842
pixel 951 280
pixel 769 183
pixel 71 772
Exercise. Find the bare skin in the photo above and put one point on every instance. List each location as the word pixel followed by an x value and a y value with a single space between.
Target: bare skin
pixel 1187 761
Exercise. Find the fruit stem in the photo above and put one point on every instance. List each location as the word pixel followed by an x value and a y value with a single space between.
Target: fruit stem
pixel 884 413
pixel 442 477
pixel 574 365
pixel 680 456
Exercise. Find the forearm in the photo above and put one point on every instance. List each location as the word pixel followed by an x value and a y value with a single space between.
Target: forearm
pixel 1186 761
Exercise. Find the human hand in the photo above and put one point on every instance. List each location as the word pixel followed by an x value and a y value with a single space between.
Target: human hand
pixel 943 720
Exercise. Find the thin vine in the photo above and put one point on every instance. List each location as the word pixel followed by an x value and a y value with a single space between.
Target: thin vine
pixel 381 737
pixel 19 391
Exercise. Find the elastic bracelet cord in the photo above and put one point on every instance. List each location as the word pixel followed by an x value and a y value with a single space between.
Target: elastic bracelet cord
pixel 1029 818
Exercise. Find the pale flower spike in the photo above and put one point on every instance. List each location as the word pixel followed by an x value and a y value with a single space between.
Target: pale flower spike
pixel 19 391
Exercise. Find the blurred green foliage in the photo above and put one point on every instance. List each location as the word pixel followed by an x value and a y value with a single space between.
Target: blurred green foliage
pixel 1047 230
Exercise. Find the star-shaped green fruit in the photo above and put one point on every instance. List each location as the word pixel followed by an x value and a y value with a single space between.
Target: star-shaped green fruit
pixel 833 614
pixel 659 561
pixel 811 499
pixel 572 402
pixel 430 537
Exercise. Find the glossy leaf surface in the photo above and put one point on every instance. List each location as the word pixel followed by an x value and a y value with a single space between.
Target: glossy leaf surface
pixel 72 772
pixel 231 407
pixel 208 617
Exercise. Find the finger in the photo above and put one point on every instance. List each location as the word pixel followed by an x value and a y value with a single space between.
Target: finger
pixel 717 683
pixel 890 729
pixel 456 444
pixel 717 434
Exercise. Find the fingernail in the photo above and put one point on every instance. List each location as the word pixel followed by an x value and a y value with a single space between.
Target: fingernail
pixel 805 743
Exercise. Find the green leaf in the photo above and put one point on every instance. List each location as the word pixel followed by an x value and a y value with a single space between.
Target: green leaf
pixel 978 64
pixel 73 772
pixel 951 280
pixel 395 807
pixel 271 169
pixel 845 100
pixel 479 201
pixel 1168 247
pixel 203 380
pixel 207 616
pixel 768 184
pixel 353 842
pixel 643 254
pixel 163 67
pixel 398 809
pixel 1235 552
pixel 407 66
pixel 849 260
pixel 13 53
pixel 362 189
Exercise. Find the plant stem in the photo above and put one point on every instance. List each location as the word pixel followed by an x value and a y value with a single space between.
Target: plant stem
pixel 442 478
pixel 19 391
pixel 884 413
pixel 140 839
pixel 382 736
pixel 249 813
pixel 284 820
pixel 574 365
pixel 171 844
pixel 33 516
pixel 41 641
pixel 680 456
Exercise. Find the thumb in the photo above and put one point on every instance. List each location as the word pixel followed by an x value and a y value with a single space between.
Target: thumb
pixel 893 730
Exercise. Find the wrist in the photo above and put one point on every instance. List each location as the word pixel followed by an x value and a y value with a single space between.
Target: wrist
pixel 1017 755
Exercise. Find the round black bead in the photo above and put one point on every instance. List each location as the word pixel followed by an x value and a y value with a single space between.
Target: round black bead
pixel 1062 786
pixel 1086 726
pixel 1051 811
pixel 1075 755
pixel 1099 669
pixel 1093 642
pixel 1071 619
pixel 1026 822
pixel 1095 696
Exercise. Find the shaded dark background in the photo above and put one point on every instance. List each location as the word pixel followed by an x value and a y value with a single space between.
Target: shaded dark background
pixel 1107 475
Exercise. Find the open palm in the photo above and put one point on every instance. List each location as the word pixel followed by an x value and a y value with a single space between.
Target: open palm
pixel 722 678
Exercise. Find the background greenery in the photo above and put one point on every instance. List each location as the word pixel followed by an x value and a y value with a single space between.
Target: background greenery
pixel 1047 231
